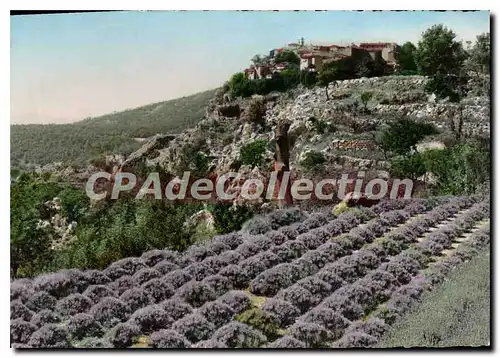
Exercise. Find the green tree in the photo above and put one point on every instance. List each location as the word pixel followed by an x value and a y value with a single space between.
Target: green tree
pixel 480 53
pixel 257 60
pixel 329 73
pixel 451 86
pixel 240 85
pixel 442 58
pixel 365 67
pixel 439 52
pixel 253 153
pixel 365 98
pixel 402 135
pixel 308 78
pixel 411 166
pixel 287 56
pixel 462 169
pixel 406 57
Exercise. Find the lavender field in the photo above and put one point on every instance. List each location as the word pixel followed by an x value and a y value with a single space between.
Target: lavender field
pixel 325 281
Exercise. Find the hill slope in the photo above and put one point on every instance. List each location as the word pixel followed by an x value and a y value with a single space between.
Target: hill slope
pixel 78 142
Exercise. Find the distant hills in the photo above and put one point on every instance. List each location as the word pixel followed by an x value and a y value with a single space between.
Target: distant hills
pixel 77 143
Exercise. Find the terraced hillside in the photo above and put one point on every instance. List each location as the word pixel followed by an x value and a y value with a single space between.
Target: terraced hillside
pixel 324 282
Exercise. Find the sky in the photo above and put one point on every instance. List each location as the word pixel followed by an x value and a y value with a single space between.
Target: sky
pixel 66 67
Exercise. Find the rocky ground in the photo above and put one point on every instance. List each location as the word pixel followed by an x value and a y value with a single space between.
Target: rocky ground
pixel 347 139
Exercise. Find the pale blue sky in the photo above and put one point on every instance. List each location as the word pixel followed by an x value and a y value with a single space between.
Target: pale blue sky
pixel 69 66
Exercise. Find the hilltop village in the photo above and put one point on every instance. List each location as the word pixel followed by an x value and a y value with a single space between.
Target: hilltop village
pixel 313 56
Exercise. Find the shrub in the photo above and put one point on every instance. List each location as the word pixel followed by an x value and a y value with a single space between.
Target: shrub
pixel 256 226
pixel 310 240
pixel 153 257
pixel 397 270
pixel 58 284
pixel 95 277
pixel 199 270
pixel 45 316
pixel 115 273
pixel 229 218
pixel 316 286
pixel 217 313
pixel 96 292
pixel 411 166
pixel 355 340
pixel 269 282
pixel 198 252
pixel 177 278
pixel 317 258
pixel 298 296
pixel 304 268
pixel 196 293
pixel 233 239
pixel 218 283
pixel 136 298
pixel 253 153
pixel 144 275
pixel 50 336
pixel 238 301
pixel 359 293
pixel 331 278
pixel 122 335
pixel 333 249
pixel 365 98
pixel 328 318
pixel 373 326
pixel 218 247
pixel 131 265
pixel 256 110
pixel 252 267
pixel 21 331
pixel 346 268
pixel 403 134
pixel 18 310
pixel 284 312
pixel 151 318
pixel 283 217
pixel 110 311
pixel 167 338
pixel 83 325
pixel 73 304
pixel 342 304
pixel 313 160
pixel 194 327
pixel 289 251
pixel 158 289
pixel 248 249
pixel 164 267
pixel 20 290
pixel 176 308
pixel 468 168
pixel 260 320
pixel 93 342
pixel 239 335
pixel 210 343
pixel 230 257
pixel 276 237
pixel 122 284
pixel 286 342
pixel 236 276
pixel 314 335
